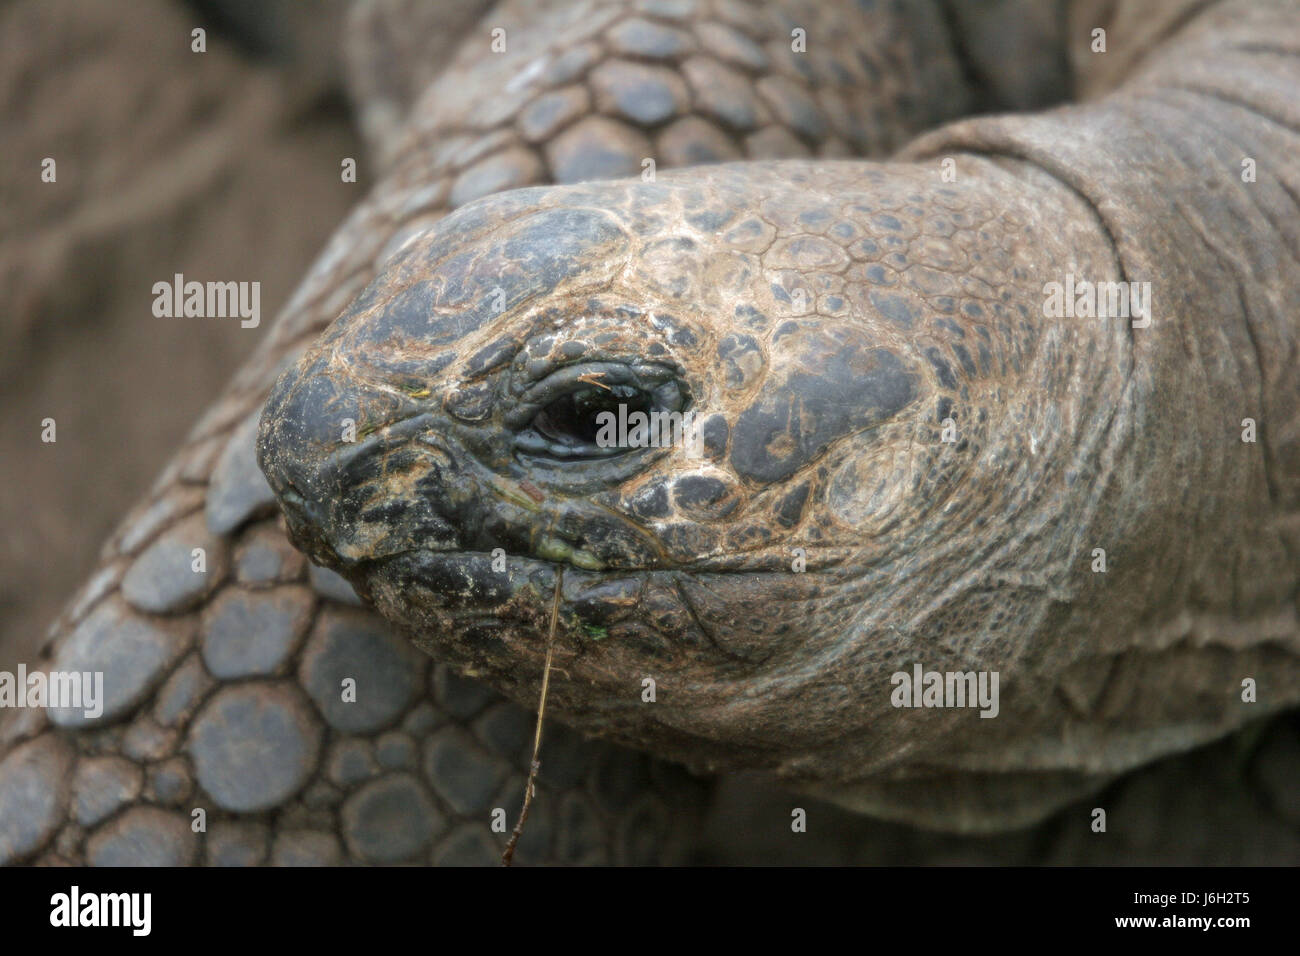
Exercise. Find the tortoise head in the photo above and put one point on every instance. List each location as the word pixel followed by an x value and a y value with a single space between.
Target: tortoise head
pixel 705 403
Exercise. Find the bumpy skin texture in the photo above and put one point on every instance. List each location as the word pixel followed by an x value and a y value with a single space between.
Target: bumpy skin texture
pixel 223 686
pixel 189 684
pixel 823 321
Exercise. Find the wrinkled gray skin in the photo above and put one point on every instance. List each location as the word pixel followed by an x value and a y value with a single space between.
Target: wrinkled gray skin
pixel 226 682
pixel 823 319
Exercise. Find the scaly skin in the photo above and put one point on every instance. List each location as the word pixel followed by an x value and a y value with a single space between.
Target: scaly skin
pixel 223 686
pixel 824 320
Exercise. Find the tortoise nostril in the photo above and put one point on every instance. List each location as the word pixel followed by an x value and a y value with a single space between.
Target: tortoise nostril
pixel 301 511
pixel 306 525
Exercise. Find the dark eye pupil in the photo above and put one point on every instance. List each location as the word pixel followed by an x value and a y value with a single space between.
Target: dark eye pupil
pixel 575 418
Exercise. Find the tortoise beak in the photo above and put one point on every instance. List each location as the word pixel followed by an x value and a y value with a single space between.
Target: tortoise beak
pixel 308 448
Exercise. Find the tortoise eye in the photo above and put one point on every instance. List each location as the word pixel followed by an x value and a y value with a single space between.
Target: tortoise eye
pixel 574 420
pixel 596 411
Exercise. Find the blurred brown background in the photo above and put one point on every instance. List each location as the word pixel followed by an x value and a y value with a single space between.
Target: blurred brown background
pixel 222 166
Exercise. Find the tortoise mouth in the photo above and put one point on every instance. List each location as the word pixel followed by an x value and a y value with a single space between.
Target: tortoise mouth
pixel 480 584
pixel 467 604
